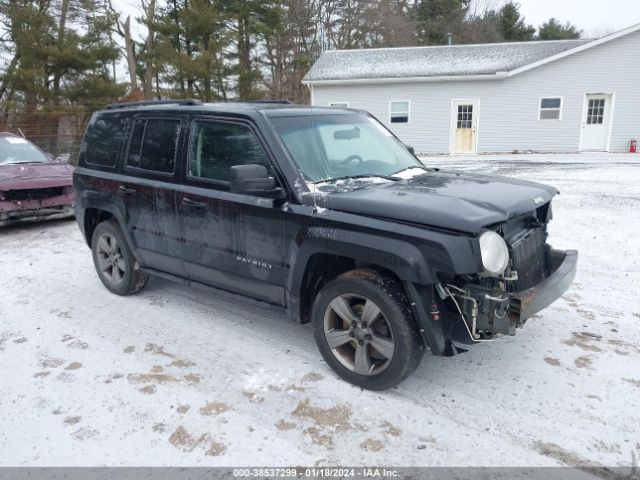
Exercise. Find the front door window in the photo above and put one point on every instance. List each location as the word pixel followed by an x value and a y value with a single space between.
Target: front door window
pixel 465 116
pixel 595 113
pixel 215 147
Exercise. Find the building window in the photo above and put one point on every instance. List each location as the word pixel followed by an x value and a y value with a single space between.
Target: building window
pixel 339 104
pixel 399 112
pixel 550 108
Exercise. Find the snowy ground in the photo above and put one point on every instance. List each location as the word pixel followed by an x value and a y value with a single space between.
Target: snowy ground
pixel 174 376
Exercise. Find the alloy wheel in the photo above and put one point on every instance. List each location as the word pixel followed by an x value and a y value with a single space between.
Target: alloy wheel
pixel 110 259
pixel 358 334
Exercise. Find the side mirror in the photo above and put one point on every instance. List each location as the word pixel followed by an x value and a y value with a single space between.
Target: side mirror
pixel 412 150
pixel 253 180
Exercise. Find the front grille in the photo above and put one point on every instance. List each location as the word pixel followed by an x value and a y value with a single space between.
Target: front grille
pixel 33 193
pixel 528 254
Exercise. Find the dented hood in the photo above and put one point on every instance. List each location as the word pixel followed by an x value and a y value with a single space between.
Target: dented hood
pixel 19 176
pixel 454 201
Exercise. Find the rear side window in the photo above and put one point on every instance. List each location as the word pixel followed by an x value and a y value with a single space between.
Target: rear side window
pixel 215 147
pixel 103 141
pixel 154 144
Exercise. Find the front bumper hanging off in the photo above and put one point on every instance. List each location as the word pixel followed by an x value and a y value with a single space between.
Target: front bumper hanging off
pixel 487 312
pixel 528 302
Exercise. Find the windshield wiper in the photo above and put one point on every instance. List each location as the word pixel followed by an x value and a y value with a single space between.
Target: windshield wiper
pixel 365 175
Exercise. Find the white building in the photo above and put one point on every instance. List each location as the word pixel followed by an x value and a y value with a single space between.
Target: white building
pixel 559 96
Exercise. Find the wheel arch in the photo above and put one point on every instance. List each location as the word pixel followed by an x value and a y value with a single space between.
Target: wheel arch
pixel 92 218
pixel 95 214
pixel 324 254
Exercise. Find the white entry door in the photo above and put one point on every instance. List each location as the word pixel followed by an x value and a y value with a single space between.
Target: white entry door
pixel 464 122
pixel 596 122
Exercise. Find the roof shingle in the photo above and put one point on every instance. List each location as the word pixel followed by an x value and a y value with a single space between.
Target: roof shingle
pixel 457 60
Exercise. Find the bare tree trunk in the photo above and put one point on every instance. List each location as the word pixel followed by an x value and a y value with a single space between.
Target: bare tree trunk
pixel 130 54
pixel 64 10
pixel 244 58
pixel 6 78
pixel 148 77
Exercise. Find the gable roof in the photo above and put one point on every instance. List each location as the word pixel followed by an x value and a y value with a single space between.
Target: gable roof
pixel 462 62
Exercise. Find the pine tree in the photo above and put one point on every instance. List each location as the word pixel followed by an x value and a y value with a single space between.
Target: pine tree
pixel 247 20
pixel 191 36
pixel 436 18
pixel 554 30
pixel 512 26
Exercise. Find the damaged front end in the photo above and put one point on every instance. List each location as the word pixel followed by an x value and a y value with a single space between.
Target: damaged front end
pixel 486 305
pixel 29 204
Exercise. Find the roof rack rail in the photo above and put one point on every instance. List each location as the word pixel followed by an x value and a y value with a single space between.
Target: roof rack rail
pixel 144 103
pixel 283 102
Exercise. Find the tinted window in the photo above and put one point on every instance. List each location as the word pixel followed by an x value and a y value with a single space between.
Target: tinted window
pixel 103 141
pixel 216 147
pixel 153 145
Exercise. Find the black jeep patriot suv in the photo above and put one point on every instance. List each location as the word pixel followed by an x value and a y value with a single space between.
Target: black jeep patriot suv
pixel 324 212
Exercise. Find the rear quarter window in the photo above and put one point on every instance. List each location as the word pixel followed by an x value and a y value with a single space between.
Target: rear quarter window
pixel 103 141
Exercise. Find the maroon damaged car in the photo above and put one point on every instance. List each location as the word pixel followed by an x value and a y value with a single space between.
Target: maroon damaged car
pixel 32 185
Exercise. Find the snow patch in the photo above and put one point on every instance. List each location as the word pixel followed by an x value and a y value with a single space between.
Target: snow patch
pixel 410 173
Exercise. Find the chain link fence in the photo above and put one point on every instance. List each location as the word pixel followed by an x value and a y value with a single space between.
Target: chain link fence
pixel 56 133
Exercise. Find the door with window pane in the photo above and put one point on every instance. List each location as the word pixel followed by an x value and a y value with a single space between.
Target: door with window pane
pixel 233 241
pixel 464 126
pixel 596 121
pixel 148 194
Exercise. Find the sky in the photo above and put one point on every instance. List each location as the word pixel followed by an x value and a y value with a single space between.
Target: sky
pixel 595 17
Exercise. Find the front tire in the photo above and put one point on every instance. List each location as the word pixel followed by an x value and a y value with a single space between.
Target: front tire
pixel 115 264
pixel 365 330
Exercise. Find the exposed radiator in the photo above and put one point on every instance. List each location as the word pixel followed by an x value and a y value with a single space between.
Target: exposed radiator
pixel 528 252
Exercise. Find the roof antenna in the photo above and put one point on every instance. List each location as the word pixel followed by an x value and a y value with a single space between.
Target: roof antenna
pixel 450 38
pixel 21 133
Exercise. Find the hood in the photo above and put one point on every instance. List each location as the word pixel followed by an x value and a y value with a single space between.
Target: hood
pixel 454 201
pixel 19 176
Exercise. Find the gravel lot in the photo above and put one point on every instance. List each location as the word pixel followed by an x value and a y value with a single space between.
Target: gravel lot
pixel 174 376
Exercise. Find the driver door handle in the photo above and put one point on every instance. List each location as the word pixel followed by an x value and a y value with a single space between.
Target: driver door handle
pixel 126 190
pixel 187 202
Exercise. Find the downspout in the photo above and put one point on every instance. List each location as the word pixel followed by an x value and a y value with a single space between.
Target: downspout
pixel 310 87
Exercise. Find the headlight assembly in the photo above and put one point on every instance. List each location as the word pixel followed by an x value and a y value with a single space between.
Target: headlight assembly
pixel 495 254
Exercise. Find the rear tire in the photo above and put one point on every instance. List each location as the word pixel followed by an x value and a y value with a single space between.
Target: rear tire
pixel 115 264
pixel 365 330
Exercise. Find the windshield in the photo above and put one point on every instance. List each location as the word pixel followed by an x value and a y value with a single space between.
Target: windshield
pixel 19 150
pixel 334 146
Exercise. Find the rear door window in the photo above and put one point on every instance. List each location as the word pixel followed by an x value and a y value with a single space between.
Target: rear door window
pixel 154 144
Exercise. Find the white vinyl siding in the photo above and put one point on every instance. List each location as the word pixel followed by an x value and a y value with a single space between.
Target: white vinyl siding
pixel 509 119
